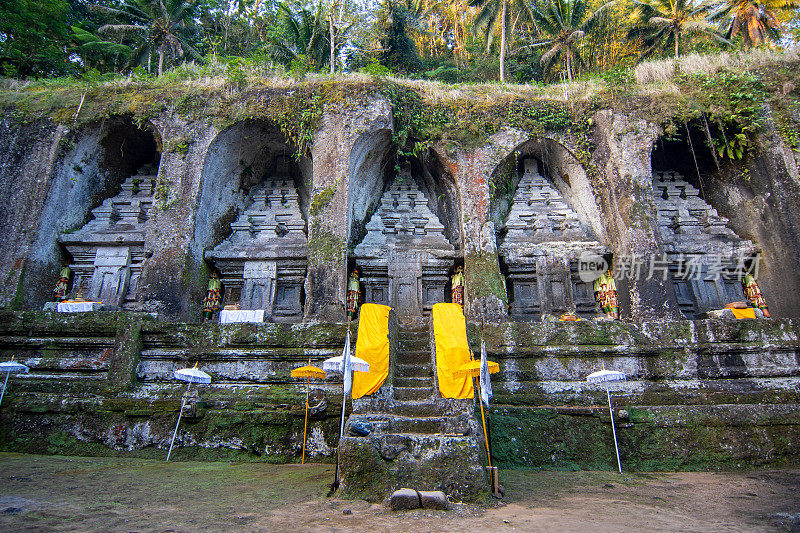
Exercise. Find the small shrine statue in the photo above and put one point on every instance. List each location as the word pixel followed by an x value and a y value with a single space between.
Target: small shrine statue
pixel 353 292
pixel 214 296
pixel 457 286
pixel 63 283
pixel 191 401
pixel 753 294
pixel 605 292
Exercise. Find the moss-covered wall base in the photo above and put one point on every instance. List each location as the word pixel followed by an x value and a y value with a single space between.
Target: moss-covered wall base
pixel 700 394
pixel 650 437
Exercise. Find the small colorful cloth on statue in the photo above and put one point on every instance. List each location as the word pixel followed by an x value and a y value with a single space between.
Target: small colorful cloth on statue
pixel 605 292
pixel 457 287
pixel 63 283
pixel 753 294
pixel 353 292
pixel 214 297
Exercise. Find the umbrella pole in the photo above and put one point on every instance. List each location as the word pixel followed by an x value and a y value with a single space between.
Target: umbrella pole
pixel 613 429
pixel 183 403
pixel 483 419
pixel 305 427
pixel 341 432
pixel 4 387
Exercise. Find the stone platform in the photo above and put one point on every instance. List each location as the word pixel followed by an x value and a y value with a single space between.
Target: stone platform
pixel 418 439
pixel 703 394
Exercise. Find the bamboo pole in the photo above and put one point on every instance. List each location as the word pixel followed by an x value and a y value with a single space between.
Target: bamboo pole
pixel 305 426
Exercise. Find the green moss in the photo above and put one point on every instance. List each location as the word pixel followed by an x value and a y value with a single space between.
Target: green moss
pixel 324 247
pixel 322 199
pixel 484 278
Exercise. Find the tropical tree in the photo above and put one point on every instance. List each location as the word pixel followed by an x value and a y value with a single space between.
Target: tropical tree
pixel 162 27
pixel 397 24
pixel 756 21
pixel 447 24
pixel 565 23
pixel 97 52
pixel 302 37
pixel 493 16
pixel 661 24
pixel 33 38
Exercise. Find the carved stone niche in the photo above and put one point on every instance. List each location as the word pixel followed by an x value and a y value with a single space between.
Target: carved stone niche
pixel 405 257
pixel 108 252
pixel 704 254
pixel 542 243
pixel 264 261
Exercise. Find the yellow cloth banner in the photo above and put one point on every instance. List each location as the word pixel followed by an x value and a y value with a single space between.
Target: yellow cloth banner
pixel 452 350
pixel 372 346
pixel 744 313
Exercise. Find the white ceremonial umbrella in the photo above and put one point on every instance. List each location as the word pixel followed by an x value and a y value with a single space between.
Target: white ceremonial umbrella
pixel 10 367
pixel 191 375
pixel 604 376
pixel 344 364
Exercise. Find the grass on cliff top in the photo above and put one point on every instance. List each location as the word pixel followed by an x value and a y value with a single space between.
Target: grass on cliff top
pixel 227 79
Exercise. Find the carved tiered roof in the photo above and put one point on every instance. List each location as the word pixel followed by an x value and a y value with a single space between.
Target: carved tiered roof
pixel 121 218
pixel 541 220
pixel 539 212
pixel 271 226
pixel 690 225
pixel 404 221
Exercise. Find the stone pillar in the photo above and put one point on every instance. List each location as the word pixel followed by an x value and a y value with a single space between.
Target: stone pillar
pixel 485 290
pixel 326 283
pixel 624 190
pixel 174 281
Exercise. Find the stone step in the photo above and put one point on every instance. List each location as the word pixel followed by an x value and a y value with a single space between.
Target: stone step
pixel 386 423
pixel 433 406
pixel 419 382
pixel 412 393
pixel 414 370
pixel 415 408
pixel 416 357
pixel 413 328
pixel 413 346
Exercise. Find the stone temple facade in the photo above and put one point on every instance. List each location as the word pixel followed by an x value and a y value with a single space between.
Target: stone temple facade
pixel 696 238
pixel 284 227
pixel 541 245
pixel 405 257
pixel 108 252
pixel 263 262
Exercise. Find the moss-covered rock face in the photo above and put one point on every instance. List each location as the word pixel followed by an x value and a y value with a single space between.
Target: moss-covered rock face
pixel 101 384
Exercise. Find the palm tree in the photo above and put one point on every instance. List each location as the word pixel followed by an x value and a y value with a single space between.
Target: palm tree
pixel 756 21
pixel 303 36
pixel 164 27
pixel 494 15
pixel 661 23
pixel 97 52
pixel 565 22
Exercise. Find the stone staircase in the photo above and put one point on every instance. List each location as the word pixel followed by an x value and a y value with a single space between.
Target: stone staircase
pixel 417 439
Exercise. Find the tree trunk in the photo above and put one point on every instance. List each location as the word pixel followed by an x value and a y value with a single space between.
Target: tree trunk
pixel 677 36
pixel 160 60
pixel 569 63
pixel 503 44
pixel 333 43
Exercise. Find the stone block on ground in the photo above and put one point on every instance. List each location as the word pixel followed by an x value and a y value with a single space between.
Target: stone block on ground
pixel 434 499
pixel 403 499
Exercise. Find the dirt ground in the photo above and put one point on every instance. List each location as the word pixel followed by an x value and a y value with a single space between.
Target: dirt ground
pixel 49 493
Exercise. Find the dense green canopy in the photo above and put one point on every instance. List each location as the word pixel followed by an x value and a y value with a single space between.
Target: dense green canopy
pixel 448 40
